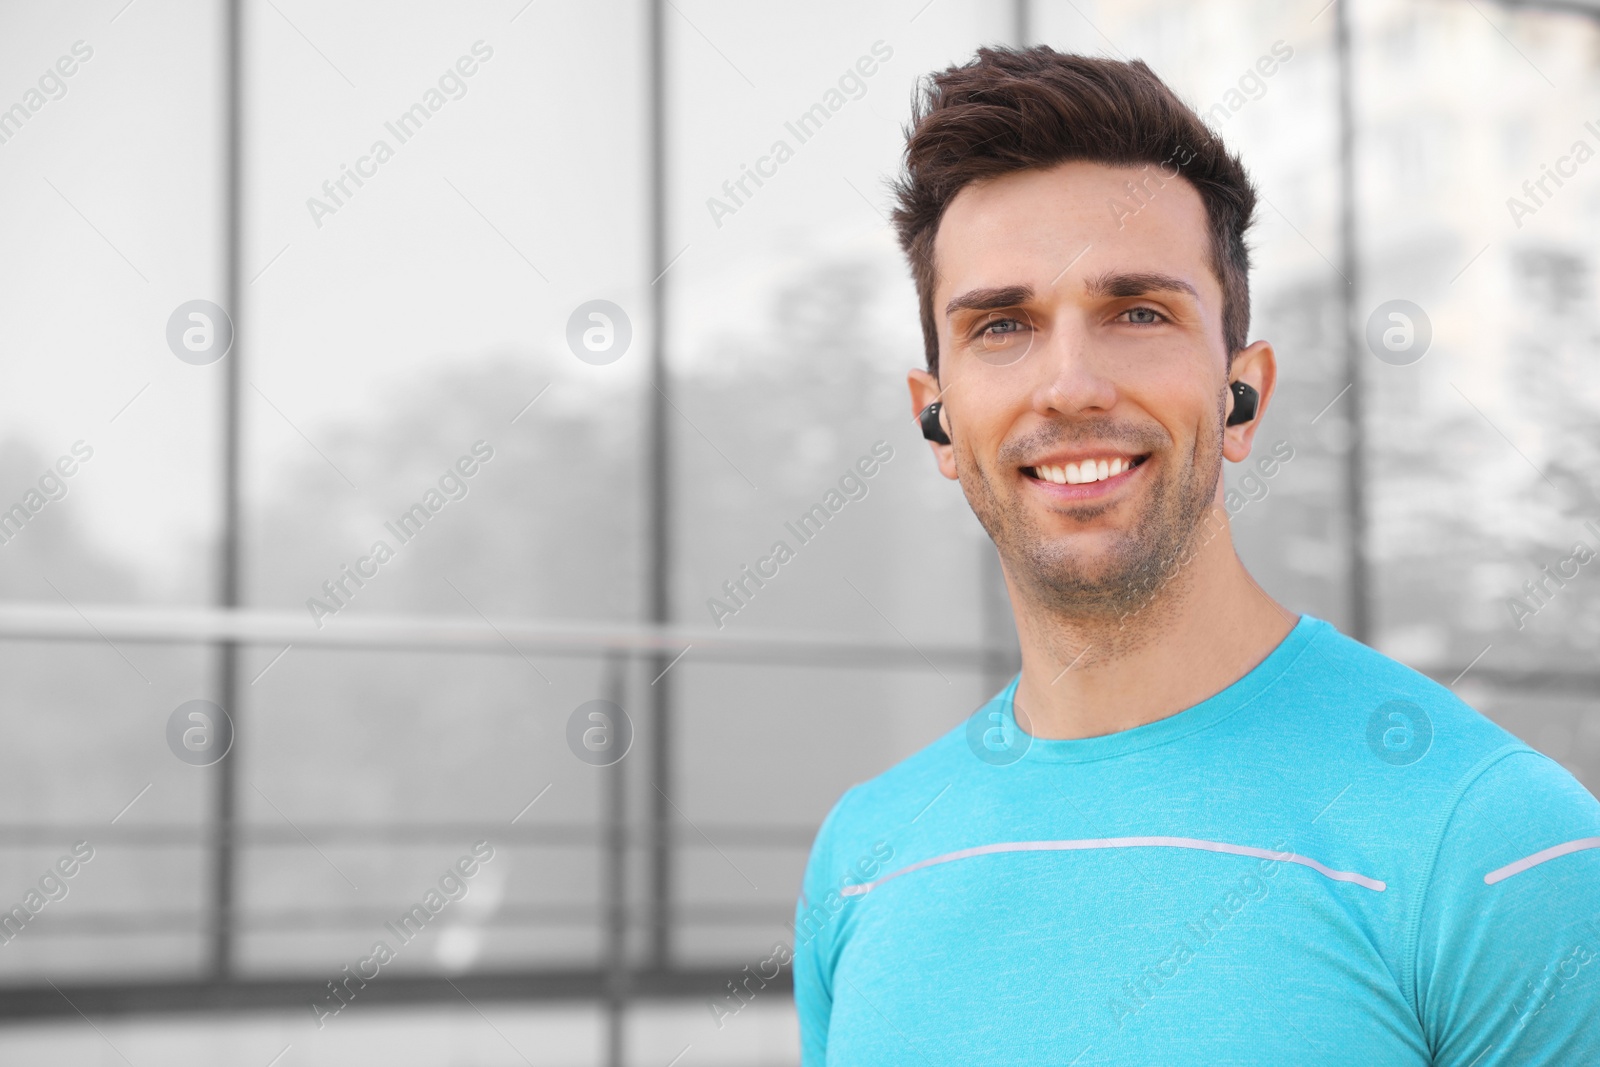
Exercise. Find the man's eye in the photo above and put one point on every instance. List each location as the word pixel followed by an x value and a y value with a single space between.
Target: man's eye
pixel 1000 326
pixel 1144 316
pixel 1001 339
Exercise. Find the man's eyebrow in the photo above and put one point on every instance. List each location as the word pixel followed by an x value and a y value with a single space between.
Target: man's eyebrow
pixel 1006 296
pixel 1137 284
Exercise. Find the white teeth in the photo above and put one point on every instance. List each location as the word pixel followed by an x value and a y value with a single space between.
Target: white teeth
pixel 1089 470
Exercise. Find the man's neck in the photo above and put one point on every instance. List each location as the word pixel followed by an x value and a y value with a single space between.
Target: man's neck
pixel 1199 632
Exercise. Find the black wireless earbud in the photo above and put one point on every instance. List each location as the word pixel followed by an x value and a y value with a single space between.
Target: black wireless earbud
pixel 1244 403
pixel 930 424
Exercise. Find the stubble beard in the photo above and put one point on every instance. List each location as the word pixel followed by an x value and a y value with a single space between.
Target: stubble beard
pixel 1134 574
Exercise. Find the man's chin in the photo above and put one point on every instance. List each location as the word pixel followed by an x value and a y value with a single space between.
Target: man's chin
pixel 1093 545
pixel 1095 574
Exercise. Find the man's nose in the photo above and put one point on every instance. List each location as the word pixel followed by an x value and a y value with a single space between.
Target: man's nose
pixel 1072 375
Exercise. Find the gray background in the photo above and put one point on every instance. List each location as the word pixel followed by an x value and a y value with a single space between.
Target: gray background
pixel 428 310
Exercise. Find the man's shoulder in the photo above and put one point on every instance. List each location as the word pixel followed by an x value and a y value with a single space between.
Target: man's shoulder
pixel 897 797
pixel 1424 751
pixel 1405 718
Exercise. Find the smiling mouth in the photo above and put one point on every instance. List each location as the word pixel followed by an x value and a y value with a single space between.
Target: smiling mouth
pixel 1092 469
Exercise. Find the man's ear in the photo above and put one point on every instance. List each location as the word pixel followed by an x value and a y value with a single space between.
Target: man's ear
pixel 1256 366
pixel 924 391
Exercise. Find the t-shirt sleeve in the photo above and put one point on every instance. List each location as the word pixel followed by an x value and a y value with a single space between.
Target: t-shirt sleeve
pixel 1508 935
pixel 815 941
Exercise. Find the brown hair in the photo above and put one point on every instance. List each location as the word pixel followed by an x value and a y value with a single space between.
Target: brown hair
pixel 1016 109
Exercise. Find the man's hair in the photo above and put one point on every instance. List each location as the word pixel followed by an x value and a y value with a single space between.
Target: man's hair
pixel 1017 109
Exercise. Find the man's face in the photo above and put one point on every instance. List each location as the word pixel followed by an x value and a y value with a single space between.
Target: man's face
pixel 1081 342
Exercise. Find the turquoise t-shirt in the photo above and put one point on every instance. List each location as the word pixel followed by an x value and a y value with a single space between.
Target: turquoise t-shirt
pixel 1333 861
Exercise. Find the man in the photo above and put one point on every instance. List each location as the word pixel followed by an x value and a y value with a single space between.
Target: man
pixel 1197 828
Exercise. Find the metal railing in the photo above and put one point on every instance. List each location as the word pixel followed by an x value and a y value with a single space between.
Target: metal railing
pixel 617 977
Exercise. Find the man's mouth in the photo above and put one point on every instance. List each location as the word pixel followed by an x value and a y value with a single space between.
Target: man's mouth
pixel 1087 470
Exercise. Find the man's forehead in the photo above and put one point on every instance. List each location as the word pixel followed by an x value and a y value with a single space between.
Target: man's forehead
pixel 1076 187
pixel 1038 227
